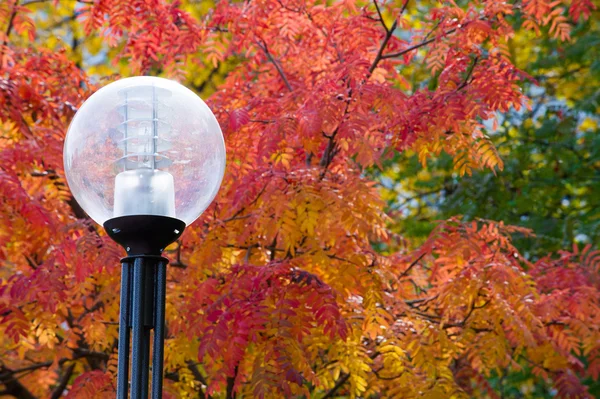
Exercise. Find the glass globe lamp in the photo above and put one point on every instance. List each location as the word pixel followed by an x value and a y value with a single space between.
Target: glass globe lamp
pixel 144 153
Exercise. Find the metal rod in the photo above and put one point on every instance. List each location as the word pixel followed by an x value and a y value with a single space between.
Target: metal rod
pixel 123 362
pixel 160 290
pixel 148 304
pixel 154 129
pixel 145 362
pixel 138 329
pixel 126 129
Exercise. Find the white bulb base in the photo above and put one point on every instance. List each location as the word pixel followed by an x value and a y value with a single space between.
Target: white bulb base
pixel 144 192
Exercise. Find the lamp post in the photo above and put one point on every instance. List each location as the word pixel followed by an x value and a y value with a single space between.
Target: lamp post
pixel 144 157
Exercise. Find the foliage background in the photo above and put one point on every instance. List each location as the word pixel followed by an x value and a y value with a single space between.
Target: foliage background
pixel 322 269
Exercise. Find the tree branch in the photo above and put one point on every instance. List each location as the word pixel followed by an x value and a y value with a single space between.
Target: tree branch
pixel 236 214
pixel 380 16
pixel 207 80
pixel 416 46
pixel 265 49
pixel 388 36
pixel 33 367
pixel 230 384
pixel 10 22
pixel 386 39
pixel 343 380
pixel 404 7
pixel 465 82
pixel 422 194
pixel 415 303
pixel 337 386
pixel 413 264
pixel 198 376
pixel 54 179
pixel 7 375
pixel 13 386
pixel 387 378
pixel 62 382
pixel 331 148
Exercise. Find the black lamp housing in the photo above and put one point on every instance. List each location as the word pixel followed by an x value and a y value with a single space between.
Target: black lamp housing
pixel 144 234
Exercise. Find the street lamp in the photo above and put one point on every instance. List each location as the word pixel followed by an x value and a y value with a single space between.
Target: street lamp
pixel 144 157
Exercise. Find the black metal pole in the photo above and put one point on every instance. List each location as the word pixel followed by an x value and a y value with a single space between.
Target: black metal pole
pixel 143 293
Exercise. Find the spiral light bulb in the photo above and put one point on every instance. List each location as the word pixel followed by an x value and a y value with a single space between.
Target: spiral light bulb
pixel 142 187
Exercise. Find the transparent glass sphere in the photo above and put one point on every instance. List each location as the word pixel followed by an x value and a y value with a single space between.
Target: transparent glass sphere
pixel 144 146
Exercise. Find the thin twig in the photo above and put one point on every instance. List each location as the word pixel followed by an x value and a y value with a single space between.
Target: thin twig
pixel 380 16
pixel 465 82
pixel 265 49
pixel 230 394
pixel 10 22
pixel 404 273
pixel 199 377
pixel 386 39
pixel 433 29
pixel 236 215
pixel 388 36
pixel 419 301
pixel 337 386
pixel 343 380
pixel 417 196
pixel 416 46
pixel 404 7
pixel 62 382
pixel 387 378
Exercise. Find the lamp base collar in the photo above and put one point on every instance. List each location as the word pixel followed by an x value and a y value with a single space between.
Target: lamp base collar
pixel 144 234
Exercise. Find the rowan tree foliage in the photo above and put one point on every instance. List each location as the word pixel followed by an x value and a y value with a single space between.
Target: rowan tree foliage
pixel 292 284
pixel 550 156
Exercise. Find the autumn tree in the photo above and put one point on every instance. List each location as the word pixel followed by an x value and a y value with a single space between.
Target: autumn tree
pixel 294 283
pixel 549 153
